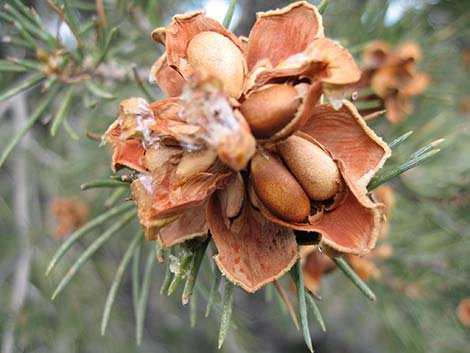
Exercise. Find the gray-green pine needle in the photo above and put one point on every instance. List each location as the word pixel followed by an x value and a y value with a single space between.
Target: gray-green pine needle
pixel 91 250
pixel 354 277
pixel 79 233
pixel 226 313
pixel 144 294
pixel 297 274
pixel 117 280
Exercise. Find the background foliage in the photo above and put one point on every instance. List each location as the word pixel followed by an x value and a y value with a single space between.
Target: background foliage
pixel 421 285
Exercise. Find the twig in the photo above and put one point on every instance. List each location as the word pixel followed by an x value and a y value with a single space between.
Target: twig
pixel 93 136
pixel 64 18
pixel 374 115
pixel 146 90
pixel 100 13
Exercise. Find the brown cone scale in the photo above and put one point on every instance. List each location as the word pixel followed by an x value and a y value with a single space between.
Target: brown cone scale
pixel 312 167
pixel 278 190
pixel 270 109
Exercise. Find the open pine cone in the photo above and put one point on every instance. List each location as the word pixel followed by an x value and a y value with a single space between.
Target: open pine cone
pixel 393 76
pixel 244 148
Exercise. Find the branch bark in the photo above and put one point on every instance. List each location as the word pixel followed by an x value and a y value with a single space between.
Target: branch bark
pixel 22 219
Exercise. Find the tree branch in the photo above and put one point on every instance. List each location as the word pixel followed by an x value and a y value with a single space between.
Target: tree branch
pixel 22 218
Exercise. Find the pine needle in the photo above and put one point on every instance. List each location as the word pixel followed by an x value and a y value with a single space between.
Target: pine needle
pixel 84 6
pixel 427 148
pixel 115 196
pixel 102 183
pixel 195 265
pixel 268 293
pixel 315 311
pixel 8 66
pixel 354 277
pixel 88 25
pixel 50 40
pixel 384 177
pixel 17 41
pixel 229 15
pixel 117 280
pixel 182 270
pixel 214 295
pixel 168 276
pixel 70 131
pixel 136 279
pixel 28 23
pixel 159 253
pixel 297 274
pixel 226 312
pixel 106 47
pixel 22 7
pixel 400 139
pixel 63 109
pixel 23 85
pixel 323 5
pixel 144 295
pixel 99 92
pixel 32 15
pixel 79 233
pixel 142 85
pixel 91 250
pixel 193 310
pixel 25 128
pixel 21 29
pixel 125 178
pixel 28 64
